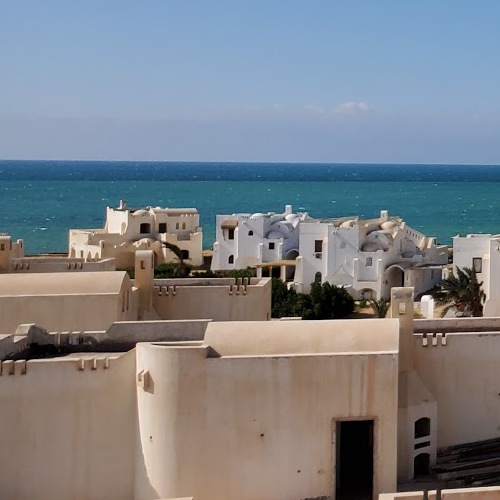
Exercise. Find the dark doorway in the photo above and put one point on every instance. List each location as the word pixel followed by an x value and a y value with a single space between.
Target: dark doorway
pixel 421 465
pixel 354 464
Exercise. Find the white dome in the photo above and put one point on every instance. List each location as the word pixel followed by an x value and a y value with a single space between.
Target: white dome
pixel 290 217
pixel 139 213
pixel 348 223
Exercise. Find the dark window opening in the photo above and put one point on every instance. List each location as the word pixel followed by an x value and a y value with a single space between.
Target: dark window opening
pixel 230 234
pixel 422 427
pixel 271 246
pixel 231 259
pixel 477 264
pixel 318 246
pixel 185 254
pixel 162 227
pixel 421 465
pixel 354 464
pixel 250 233
pixel 317 277
pixel 145 228
pixel 2 247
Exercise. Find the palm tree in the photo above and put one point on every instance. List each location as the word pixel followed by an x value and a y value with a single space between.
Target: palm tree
pixel 462 291
pixel 380 307
pixel 181 270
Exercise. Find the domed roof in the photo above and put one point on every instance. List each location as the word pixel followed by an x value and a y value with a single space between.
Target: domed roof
pixel 139 213
pixel 348 223
pixel 390 225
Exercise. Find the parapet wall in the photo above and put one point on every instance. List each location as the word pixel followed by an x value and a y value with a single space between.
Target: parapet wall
pixel 218 299
pixel 445 325
pixel 491 493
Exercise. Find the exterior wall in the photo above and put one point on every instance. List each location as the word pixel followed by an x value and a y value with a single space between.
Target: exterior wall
pixel 490 493
pixel 63 313
pixel 422 279
pixel 66 432
pixel 461 373
pixel 58 265
pixel 122 236
pixel 252 427
pixel 190 299
pixel 9 250
pixel 71 312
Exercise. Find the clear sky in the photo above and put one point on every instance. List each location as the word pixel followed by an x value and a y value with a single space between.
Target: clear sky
pixel 251 80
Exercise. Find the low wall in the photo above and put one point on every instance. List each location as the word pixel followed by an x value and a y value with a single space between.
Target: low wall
pixel 217 299
pixel 491 493
pixel 445 325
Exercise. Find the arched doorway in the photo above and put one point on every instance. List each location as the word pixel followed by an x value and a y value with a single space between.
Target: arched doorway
pixel 421 465
pixel 290 270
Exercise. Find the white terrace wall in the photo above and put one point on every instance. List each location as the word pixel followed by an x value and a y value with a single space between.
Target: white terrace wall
pixel 58 265
pixel 461 372
pixel 257 427
pixel 217 299
pixel 67 432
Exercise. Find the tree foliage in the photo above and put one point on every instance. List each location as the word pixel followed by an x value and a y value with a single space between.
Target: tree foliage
pixel 462 291
pixel 380 307
pixel 325 301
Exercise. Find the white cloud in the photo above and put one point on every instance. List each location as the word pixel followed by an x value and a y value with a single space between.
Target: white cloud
pixel 352 106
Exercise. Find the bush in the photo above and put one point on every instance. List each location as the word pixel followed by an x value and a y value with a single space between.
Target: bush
pixel 324 302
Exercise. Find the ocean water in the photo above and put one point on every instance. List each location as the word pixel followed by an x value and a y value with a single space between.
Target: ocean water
pixel 42 200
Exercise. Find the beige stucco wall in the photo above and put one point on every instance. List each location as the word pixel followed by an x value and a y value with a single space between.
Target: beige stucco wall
pixel 217 302
pixel 258 427
pixel 462 376
pixel 68 433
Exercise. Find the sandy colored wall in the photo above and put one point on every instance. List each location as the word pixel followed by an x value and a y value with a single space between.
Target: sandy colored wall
pixel 258 427
pixel 61 313
pixel 220 303
pixel 463 378
pixel 68 434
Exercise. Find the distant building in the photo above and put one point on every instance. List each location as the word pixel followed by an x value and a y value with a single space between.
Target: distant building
pixel 368 257
pixel 245 240
pixel 128 230
pixel 481 252
pixel 9 250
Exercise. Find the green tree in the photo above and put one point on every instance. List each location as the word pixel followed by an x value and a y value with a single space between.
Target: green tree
pixel 380 307
pixel 329 302
pixel 180 269
pixel 462 291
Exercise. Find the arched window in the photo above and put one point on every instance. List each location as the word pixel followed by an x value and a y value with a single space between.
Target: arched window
pixel 231 259
pixel 422 427
pixel 183 225
pixel 177 226
pixel 250 233
pixel 317 277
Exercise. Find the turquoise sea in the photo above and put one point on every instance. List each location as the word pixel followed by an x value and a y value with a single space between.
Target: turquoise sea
pixel 42 200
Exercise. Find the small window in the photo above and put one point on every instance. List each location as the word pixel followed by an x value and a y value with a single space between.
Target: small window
pixel 230 234
pixel 183 225
pixel 2 247
pixel 162 227
pixel 145 228
pixel 369 261
pixel 318 246
pixel 143 265
pixel 231 259
pixel 271 246
pixel 250 233
pixel 477 264
pixel 422 427
pixel 185 254
pixel 177 226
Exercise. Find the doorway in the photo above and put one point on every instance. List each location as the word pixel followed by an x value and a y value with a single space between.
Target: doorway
pixel 354 460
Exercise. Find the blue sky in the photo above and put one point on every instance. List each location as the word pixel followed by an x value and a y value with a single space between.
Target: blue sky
pixel 254 80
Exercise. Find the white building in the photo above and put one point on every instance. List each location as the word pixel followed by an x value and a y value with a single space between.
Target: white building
pixel 481 252
pixel 246 240
pixel 128 230
pixel 367 256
